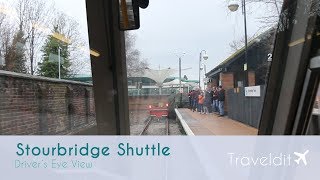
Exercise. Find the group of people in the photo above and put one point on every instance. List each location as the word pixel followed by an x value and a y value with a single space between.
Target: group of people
pixel 207 101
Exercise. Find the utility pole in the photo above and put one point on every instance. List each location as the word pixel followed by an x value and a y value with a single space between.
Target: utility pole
pixel 200 70
pixel 233 6
pixel 205 57
pixel 245 68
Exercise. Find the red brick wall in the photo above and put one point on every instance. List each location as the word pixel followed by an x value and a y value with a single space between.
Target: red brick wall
pixel 251 78
pixel 34 105
pixel 213 83
pixel 227 82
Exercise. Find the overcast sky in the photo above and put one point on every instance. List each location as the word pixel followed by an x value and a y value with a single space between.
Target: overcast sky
pixel 171 27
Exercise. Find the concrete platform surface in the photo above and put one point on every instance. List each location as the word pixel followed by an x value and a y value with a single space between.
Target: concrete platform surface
pixel 210 124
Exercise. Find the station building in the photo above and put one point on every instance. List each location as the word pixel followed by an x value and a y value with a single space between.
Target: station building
pixel 232 73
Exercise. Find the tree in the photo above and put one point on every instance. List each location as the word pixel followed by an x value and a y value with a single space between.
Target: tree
pixel 270 19
pixel 134 62
pixel 272 11
pixel 5 35
pixel 31 15
pixel 2 35
pixel 14 57
pixel 11 45
pixel 50 59
pixel 66 32
pixel 236 45
pixel 79 57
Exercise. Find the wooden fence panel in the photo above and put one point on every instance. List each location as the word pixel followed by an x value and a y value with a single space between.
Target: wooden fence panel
pixel 245 109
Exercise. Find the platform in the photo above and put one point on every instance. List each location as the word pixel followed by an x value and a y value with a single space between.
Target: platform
pixel 211 124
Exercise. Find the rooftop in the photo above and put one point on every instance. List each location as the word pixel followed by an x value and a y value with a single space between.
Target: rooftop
pixel 239 52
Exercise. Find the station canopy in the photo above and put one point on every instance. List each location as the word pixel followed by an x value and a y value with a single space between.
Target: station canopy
pixel 157 75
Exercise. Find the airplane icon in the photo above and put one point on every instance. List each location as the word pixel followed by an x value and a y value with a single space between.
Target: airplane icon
pixel 301 157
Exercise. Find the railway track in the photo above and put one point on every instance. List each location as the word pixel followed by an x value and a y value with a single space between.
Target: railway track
pixel 155 126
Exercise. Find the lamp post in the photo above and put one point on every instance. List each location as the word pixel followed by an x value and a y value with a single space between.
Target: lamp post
pixel 205 72
pixel 233 6
pixel 180 90
pixel 205 57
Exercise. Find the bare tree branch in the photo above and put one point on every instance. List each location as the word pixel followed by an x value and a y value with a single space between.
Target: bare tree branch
pixel 79 54
pixel 134 62
pixel 267 21
pixel 32 13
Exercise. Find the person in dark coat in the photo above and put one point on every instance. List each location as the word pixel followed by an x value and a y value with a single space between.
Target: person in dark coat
pixel 208 100
pixel 194 97
pixel 215 102
pixel 190 99
pixel 221 99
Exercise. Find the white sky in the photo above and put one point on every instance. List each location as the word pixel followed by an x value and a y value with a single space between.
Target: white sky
pixel 170 27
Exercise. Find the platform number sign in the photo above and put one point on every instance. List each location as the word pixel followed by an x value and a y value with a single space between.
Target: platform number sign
pixel 269 57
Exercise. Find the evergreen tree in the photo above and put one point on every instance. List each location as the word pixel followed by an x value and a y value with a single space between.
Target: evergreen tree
pixel 15 59
pixel 50 64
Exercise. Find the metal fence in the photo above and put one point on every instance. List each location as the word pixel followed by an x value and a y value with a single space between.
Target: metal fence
pixel 245 109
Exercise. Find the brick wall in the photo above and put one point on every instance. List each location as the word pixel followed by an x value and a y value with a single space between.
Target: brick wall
pixel 37 105
pixel 213 83
pixel 227 83
pixel 251 78
pixel 227 80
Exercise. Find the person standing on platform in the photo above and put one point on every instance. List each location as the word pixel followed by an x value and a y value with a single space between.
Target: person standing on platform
pixel 194 96
pixel 215 103
pixel 201 101
pixel 190 99
pixel 207 101
pixel 221 99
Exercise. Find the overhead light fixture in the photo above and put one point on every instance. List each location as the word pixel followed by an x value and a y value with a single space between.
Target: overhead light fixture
pixel 233 5
pixel 205 56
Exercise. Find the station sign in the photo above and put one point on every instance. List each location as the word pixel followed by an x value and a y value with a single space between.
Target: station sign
pixel 252 91
pixel 245 67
